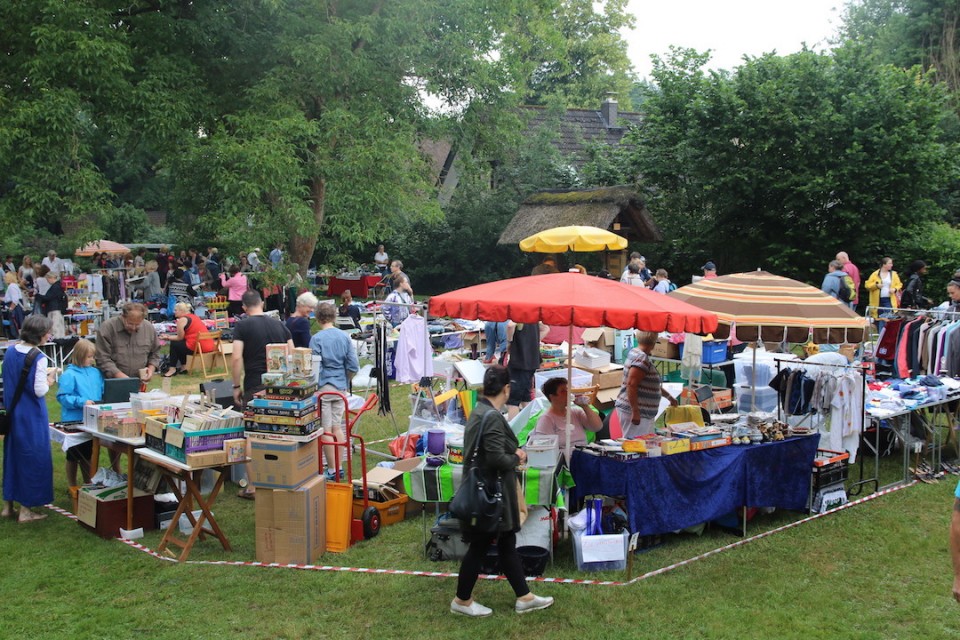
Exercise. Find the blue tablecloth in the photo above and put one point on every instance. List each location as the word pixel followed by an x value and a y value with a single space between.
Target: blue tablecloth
pixel 678 491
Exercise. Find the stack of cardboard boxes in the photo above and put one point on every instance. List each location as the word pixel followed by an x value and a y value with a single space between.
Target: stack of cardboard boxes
pixel 290 507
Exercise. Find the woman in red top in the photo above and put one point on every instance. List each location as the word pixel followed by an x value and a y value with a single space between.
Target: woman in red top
pixel 189 326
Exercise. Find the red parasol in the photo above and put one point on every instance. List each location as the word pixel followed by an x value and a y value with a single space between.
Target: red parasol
pixel 573 299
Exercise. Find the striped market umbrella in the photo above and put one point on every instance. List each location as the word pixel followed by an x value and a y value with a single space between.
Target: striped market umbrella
pixel 766 307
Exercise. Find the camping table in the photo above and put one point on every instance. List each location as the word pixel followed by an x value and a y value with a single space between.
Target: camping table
pixel 121 445
pixel 927 415
pixel 175 471
pixel 685 489
pixel 359 287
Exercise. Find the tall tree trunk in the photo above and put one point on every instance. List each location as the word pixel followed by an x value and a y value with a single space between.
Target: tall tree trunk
pixel 303 245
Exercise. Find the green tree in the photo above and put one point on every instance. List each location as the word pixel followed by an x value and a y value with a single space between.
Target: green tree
pixel 254 121
pixel 584 56
pixel 908 33
pixel 800 156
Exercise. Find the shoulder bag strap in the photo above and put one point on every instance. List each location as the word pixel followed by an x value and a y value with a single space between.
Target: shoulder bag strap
pixel 27 365
pixel 476 445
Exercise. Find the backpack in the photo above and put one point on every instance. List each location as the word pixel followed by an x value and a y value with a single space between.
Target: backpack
pixel 846 288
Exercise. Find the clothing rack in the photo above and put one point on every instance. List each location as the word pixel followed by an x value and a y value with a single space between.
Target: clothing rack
pixel 857 486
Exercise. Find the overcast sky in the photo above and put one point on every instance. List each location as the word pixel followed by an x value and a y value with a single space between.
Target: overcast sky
pixel 730 28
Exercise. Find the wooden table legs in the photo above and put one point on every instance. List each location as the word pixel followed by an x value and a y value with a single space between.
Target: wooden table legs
pixel 185 506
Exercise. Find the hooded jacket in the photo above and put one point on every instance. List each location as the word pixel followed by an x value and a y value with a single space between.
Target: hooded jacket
pixel 831 283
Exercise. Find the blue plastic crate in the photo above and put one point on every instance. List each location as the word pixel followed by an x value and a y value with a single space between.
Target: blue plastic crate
pixel 714 351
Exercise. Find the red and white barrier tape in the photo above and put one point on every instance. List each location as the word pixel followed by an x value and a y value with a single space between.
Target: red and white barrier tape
pixel 444 574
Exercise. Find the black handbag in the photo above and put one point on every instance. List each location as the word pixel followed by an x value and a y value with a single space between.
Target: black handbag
pixel 6 415
pixel 477 506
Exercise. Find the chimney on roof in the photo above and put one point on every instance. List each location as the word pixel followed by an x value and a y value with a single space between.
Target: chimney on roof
pixel 608 111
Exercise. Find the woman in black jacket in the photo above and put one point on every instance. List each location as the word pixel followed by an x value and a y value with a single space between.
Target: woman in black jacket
pixel 912 297
pixel 53 304
pixel 499 454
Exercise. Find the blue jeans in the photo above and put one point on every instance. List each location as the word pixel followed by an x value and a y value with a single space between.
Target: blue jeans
pixel 496 335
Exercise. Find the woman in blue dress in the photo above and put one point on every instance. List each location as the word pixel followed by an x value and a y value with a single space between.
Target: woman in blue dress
pixel 27 463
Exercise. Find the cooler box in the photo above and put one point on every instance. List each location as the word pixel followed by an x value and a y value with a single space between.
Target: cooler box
pixel 543 451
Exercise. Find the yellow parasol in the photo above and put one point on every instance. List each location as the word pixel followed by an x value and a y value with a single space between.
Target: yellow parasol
pixel 576 238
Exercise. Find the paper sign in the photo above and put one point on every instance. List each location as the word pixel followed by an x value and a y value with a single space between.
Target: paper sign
pixel 602 548
pixel 634 539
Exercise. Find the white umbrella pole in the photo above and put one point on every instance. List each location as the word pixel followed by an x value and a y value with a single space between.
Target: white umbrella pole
pixel 753 380
pixel 567 425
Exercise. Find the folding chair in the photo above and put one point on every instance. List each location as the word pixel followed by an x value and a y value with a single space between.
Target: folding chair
pixel 217 351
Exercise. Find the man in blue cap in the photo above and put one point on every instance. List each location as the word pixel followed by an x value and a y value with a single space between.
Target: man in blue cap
pixel 709 270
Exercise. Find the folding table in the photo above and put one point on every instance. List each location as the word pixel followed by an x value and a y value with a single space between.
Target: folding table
pixel 175 471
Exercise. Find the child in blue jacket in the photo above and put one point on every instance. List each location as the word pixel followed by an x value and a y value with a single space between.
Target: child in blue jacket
pixel 81 384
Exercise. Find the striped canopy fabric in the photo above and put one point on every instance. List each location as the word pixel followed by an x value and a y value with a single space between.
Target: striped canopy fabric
pixel 773 308
pixel 573 299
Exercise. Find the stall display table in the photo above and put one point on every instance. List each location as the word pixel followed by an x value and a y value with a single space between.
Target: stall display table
pixel 126 446
pixel 938 419
pixel 673 492
pixel 439 484
pixel 359 287
pixel 175 472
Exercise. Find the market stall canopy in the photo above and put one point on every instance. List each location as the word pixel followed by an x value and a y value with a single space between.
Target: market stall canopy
pixel 573 299
pixel 575 238
pixel 772 308
pixel 101 246
pixel 619 209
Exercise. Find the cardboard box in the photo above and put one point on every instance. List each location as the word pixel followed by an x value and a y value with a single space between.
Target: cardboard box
pixel 291 404
pixel 291 524
pixel 607 377
pixel 670 446
pixel 599 338
pixel 666 349
pixel 385 488
pixel 207 458
pixel 127 428
pixel 235 449
pixel 277 357
pixel 103 510
pixel 699 445
pixel 282 465
pixel 302 361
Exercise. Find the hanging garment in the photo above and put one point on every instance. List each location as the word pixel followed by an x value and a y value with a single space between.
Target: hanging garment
pixel 847 416
pixel 887 342
pixel 414 354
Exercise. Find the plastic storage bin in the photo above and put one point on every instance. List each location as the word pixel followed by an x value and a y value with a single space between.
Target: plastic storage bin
pixel 714 351
pixel 579 377
pixel 617 562
pixel 766 399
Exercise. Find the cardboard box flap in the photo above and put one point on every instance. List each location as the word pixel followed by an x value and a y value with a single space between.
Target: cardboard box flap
pixel 175 437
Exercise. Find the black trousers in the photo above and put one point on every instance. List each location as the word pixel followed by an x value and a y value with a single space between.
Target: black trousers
pixel 509 564
pixel 178 353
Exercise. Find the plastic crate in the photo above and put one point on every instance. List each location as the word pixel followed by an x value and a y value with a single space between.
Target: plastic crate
pixel 155 443
pixel 829 468
pixel 194 441
pixel 714 351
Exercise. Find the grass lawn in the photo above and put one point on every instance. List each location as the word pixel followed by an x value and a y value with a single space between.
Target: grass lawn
pixel 877 570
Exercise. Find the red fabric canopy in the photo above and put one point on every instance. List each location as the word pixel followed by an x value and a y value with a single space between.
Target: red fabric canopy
pixel 567 299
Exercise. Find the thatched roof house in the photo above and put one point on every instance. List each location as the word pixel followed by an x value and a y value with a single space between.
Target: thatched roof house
pixel 618 209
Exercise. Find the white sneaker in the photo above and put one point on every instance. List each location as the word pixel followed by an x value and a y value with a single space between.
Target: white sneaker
pixel 533 605
pixel 474 609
